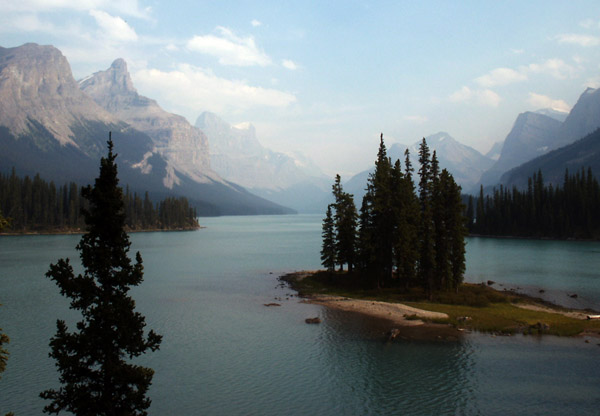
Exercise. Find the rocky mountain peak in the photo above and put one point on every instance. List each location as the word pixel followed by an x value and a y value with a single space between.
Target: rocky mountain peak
pixel 184 146
pixel 36 83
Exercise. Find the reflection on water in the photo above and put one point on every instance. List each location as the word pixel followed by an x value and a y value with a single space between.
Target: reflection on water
pixel 225 353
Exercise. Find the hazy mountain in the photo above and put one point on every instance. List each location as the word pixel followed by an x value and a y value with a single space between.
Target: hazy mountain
pixel 184 147
pixel 535 134
pixel 49 126
pixel 583 153
pixel 237 155
pixel 495 151
pixel 583 119
pixel 532 135
pixel 463 162
pixel 555 114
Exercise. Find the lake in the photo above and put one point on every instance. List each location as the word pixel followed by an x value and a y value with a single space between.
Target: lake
pixel 225 353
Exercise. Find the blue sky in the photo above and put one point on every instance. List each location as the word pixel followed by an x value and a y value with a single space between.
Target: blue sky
pixel 325 78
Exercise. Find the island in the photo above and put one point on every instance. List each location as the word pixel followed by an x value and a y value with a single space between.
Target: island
pixel 444 315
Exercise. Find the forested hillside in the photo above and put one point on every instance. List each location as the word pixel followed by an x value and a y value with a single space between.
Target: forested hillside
pixel 34 205
pixel 540 211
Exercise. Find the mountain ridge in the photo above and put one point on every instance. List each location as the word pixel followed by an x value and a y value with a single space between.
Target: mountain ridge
pixel 49 126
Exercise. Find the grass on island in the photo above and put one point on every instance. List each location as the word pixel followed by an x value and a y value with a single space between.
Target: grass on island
pixel 474 307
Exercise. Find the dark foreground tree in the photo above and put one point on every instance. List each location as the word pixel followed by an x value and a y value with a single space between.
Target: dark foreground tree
pixel 95 376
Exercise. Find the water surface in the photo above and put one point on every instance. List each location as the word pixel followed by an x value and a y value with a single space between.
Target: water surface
pixel 225 353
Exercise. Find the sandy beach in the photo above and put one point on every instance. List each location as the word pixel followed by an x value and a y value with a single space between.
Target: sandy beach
pixel 397 313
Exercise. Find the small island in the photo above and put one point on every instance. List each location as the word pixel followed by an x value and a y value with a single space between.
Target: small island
pixel 445 315
pixel 404 260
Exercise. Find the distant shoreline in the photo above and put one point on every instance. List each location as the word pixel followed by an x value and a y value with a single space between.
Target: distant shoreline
pixel 80 232
pixel 514 237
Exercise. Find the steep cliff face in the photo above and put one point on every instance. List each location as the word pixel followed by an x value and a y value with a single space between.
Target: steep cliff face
pixel 184 146
pixel 532 135
pixel 583 119
pixel 36 83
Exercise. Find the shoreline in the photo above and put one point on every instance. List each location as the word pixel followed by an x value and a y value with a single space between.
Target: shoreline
pixel 410 319
pixel 397 321
pixel 401 321
pixel 81 232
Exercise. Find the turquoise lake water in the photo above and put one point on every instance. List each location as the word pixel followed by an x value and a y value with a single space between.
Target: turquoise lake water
pixel 224 353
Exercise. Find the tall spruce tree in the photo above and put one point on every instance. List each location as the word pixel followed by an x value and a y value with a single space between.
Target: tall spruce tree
pixel 328 259
pixel 426 267
pixel 346 219
pixel 383 216
pixel 95 376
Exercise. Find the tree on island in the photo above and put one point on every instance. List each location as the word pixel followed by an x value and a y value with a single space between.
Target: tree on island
pixel 404 239
pixel 95 376
pixel 345 220
pixel 328 258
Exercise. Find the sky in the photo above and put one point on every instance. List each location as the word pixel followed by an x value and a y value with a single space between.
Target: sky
pixel 325 78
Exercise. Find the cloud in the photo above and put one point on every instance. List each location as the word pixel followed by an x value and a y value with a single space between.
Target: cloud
pixel 587 23
pixel 579 40
pixel 543 101
pixel 114 27
pixel 121 7
pixel 291 65
pixel 556 68
pixel 192 90
pixel 229 48
pixel 483 97
pixel 256 23
pixel 592 83
pixel 500 76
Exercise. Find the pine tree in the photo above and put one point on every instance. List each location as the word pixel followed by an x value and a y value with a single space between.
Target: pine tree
pixel 95 376
pixel 406 216
pixel 426 227
pixel 346 219
pixel 383 215
pixel 328 259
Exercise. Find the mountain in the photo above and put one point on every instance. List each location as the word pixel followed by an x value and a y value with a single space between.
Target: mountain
pixel 531 136
pixel 536 133
pixel 583 119
pixel 463 162
pixel 495 151
pixel 49 126
pixel 288 179
pixel 552 113
pixel 583 153
pixel 184 147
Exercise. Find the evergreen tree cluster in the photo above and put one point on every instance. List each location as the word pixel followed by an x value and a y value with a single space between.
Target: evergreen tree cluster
pixel 399 238
pixel 540 211
pixel 35 205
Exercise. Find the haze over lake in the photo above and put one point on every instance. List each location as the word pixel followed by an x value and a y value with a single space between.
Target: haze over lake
pixel 225 353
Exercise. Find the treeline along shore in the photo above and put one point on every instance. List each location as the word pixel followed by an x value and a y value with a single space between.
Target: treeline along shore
pixel 35 206
pixel 542 210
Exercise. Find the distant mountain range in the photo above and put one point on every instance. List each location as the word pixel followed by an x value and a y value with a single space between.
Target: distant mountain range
pixel 52 125
pixel 463 162
pixel 237 155
pixel 530 137
pixel 48 125
pixel 584 153
pixel 536 135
